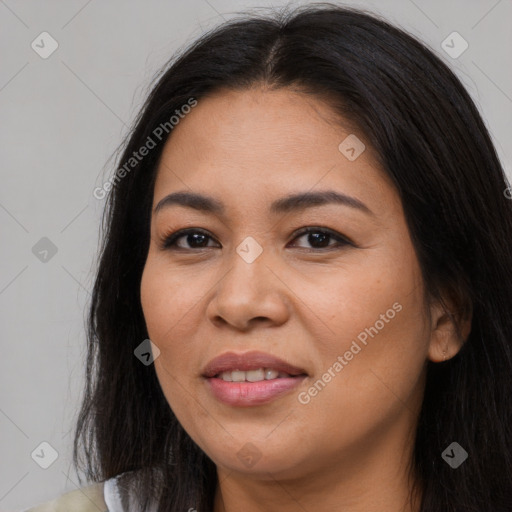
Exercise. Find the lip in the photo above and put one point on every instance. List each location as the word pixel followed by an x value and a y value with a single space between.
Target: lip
pixel 246 394
pixel 248 361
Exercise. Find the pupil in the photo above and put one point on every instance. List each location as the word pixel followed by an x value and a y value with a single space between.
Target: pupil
pixel 194 237
pixel 318 237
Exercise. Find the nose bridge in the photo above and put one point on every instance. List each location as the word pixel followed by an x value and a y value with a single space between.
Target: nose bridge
pixel 249 289
pixel 248 275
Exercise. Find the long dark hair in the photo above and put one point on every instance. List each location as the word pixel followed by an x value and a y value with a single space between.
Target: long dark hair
pixel 433 144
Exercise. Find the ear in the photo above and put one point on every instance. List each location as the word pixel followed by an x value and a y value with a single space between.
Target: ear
pixel 450 328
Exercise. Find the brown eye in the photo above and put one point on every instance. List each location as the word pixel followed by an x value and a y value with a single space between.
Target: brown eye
pixel 319 238
pixel 195 238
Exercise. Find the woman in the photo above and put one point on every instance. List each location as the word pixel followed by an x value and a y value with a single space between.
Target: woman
pixel 309 223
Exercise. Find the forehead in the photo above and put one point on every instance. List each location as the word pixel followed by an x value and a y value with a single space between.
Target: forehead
pixel 261 144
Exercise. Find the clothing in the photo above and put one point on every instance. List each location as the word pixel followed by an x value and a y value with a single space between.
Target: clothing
pixel 112 496
pixel 107 496
pixel 97 497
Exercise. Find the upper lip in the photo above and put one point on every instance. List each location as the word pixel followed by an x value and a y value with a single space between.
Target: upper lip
pixel 230 361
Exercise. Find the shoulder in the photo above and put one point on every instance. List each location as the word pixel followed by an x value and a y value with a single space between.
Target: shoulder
pixel 86 499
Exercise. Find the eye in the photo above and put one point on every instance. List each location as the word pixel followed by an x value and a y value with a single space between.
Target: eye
pixel 319 239
pixel 197 238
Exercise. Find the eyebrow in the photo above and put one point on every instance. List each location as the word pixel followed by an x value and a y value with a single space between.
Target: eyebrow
pixel 294 202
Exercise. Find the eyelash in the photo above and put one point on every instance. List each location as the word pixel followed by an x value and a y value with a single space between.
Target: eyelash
pixel 169 241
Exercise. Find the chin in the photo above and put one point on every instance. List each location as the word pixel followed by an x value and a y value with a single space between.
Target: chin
pixel 249 460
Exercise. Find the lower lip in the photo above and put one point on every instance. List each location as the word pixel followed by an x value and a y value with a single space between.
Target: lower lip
pixel 246 394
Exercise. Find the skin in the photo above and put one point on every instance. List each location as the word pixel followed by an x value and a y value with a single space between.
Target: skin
pixel 349 446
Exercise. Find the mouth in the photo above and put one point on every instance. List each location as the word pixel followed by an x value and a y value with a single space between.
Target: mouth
pixel 251 378
pixel 256 375
pixel 252 365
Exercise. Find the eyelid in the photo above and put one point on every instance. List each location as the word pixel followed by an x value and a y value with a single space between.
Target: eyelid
pixel 168 240
pixel 315 229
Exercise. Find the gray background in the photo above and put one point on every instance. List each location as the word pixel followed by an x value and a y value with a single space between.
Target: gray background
pixel 61 119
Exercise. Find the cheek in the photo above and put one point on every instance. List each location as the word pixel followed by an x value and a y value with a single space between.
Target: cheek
pixel 372 347
pixel 169 300
pixel 165 296
pixel 361 297
pixel 168 306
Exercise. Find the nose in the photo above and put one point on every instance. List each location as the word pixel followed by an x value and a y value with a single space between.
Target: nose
pixel 249 294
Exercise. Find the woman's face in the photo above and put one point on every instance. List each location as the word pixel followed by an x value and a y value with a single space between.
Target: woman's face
pixel 348 315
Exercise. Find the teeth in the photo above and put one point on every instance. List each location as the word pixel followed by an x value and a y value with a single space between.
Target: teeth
pixel 255 375
pixel 251 375
pixel 271 374
pixel 237 376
